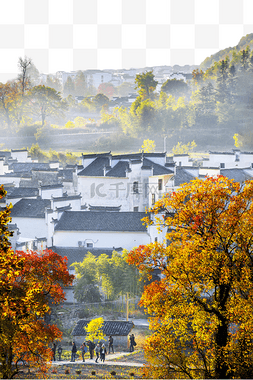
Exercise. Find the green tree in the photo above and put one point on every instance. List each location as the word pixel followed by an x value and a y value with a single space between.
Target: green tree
pixel 145 84
pixel 175 87
pixel 45 102
pixel 69 87
pixel 80 84
pixel 124 89
pixel 87 285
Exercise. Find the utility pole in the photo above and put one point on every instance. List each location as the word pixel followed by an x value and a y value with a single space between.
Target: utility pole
pixel 127 307
pixel 164 143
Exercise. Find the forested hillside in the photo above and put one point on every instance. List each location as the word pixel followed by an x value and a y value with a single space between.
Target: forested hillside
pixel 229 51
pixel 214 108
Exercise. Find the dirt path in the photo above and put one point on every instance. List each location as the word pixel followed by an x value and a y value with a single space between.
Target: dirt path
pixel 111 359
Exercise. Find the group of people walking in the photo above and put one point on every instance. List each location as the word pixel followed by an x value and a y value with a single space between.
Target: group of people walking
pixel 100 349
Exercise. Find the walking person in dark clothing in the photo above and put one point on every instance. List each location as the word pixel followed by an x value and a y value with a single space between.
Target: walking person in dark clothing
pixel 110 341
pixel 84 349
pixel 102 353
pixel 132 343
pixel 97 350
pixel 73 352
pixel 91 346
pixel 59 352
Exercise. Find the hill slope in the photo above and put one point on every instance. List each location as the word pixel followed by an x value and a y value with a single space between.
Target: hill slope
pixel 222 54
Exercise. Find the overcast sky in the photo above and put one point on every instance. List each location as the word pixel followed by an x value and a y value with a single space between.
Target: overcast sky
pixel 114 34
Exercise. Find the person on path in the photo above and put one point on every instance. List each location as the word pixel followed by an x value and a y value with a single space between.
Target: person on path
pixel 91 348
pixel 73 352
pixel 102 352
pixel 132 342
pixel 59 352
pixel 110 341
pixel 84 349
pixel 54 351
pixel 97 350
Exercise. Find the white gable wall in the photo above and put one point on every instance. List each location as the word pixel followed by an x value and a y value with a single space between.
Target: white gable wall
pixel 31 227
pixel 104 191
pixel 101 239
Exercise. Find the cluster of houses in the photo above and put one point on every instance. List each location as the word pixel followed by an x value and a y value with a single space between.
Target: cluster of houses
pixel 98 206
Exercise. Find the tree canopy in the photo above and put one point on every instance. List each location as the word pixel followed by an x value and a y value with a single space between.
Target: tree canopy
pixel 113 275
pixel 29 283
pixel 201 308
pixel 145 84
pixel 46 101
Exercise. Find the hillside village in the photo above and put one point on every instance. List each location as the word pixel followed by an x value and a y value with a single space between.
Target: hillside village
pixel 98 206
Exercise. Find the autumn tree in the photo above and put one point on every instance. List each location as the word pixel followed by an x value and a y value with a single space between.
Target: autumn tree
pixel 201 308
pixel 107 89
pixel 30 283
pixel 148 146
pixel 10 98
pixel 46 101
pixel 94 330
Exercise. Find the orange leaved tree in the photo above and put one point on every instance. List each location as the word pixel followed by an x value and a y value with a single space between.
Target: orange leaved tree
pixel 29 284
pixel 201 309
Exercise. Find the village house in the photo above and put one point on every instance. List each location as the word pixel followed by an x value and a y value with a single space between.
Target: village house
pixel 119 330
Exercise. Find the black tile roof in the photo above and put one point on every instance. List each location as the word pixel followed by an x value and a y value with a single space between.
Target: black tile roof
pixel 21 167
pixel 130 156
pixel 158 169
pixel 104 208
pixel 67 174
pixel 238 174
pixel 101 221
pixel 5 154
pixel 77 254
pixel 30 208
pixel 183 176
pixel 51 186
pixel 96 168
pixel 114 328
pixel 119 170
pixel 95 155
pixel 22 192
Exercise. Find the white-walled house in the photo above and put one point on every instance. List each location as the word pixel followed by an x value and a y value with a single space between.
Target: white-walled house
pixel 94 229
pixel 21 155
pixel 29 216
pixel 227 160
pixel 119 180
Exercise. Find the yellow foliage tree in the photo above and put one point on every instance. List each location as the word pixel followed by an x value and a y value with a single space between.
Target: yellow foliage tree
pixel 201 309
pixel 94 329
pixel 148 146
pixel 184 148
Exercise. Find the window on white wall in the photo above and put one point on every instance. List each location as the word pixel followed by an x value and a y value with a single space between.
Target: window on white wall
pixel 135 187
